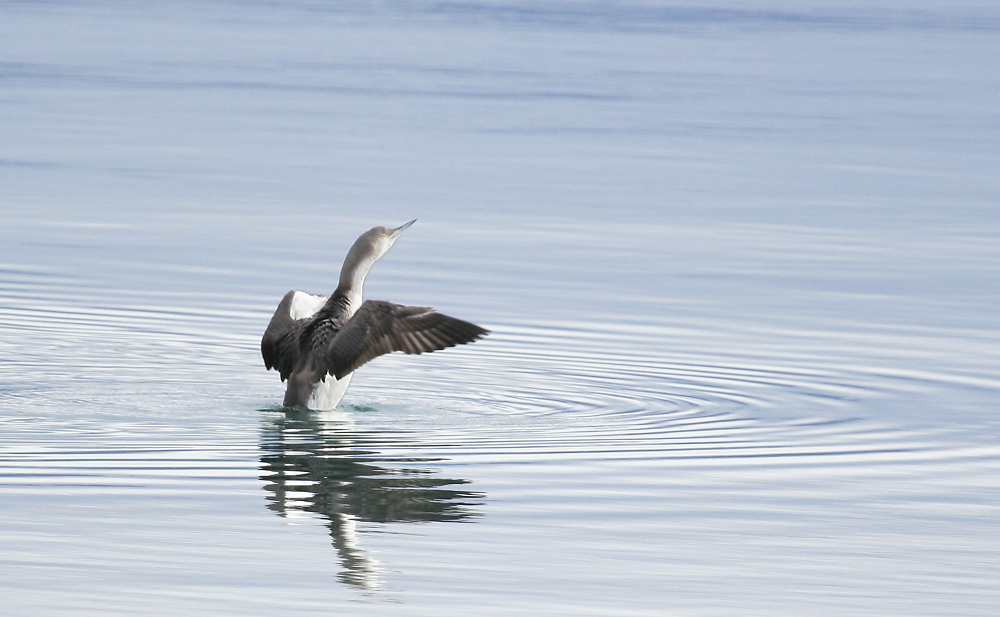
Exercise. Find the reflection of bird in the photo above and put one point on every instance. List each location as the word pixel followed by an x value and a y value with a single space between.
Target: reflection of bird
pixel 326 467
pixel 310 337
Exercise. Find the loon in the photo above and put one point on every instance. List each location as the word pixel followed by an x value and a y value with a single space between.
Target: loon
pixel 316 343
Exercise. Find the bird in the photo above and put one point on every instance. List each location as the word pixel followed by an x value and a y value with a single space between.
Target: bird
pixel 317 342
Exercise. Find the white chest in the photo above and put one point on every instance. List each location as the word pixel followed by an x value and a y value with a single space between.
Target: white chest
pixel 328 393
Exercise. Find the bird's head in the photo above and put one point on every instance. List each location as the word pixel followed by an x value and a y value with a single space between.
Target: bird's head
pixel 368 248
pixel 378 240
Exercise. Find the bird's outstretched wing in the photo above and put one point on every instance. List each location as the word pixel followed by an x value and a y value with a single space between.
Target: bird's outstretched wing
pixel 381 327
pixel 280 344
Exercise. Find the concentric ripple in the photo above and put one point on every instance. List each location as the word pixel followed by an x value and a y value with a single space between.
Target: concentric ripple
pixel 542 432
pixel 691 394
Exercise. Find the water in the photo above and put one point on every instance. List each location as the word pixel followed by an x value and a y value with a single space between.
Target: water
pixel 741 265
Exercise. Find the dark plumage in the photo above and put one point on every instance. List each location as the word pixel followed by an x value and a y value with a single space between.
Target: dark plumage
pixel 380 327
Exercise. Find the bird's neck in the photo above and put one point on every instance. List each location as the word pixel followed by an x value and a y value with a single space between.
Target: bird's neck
pixel 352 282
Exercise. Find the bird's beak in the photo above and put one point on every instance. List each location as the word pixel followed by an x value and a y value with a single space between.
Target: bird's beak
pixel 402 228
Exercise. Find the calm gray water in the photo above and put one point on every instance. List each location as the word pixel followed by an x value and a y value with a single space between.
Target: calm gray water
pixel 741 264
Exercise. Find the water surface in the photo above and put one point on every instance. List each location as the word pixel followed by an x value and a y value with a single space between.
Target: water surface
pixel 741 268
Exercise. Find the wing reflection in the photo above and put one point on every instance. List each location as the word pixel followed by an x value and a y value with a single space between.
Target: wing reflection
pixel 320 463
